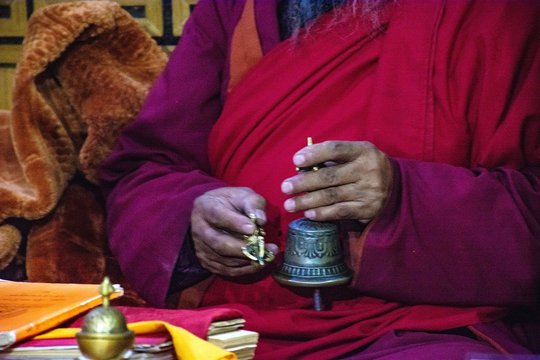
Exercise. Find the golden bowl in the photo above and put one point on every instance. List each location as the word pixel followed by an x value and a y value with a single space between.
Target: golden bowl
pixel 105 346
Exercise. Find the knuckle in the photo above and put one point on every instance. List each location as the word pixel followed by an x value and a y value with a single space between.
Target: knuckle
pixel 229 262
pixel 199 201
pixel 244 190
pixel 208 267
pixel 379 187
pixel 196 235
pixel 205 233
pixel 200 254
pixel 213 212
pixel 205 263
pixel 235 271
pixel 220 247
pixel 370 208
pixel 219 269
pixel 335 146
pixel 357 191
pixel 246 270
pixel 254 198
pixel 197 232
pixel 330 195
pixel 368 145
pixel 329 176
pixel 345 212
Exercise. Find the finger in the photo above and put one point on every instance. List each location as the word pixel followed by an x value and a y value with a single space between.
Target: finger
pixel 325 197
pixel 221 242
pixel 357 210
pixel 251 203
pixel 229 219
pixel 323 178
pixel 273 248
pixel 209 255
pixel 371 172
pixel 230 211
pixel 222 270
pixel 337 151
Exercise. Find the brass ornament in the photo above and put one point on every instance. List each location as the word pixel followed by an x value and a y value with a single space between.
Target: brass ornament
pixel 254 249
pixel 104 334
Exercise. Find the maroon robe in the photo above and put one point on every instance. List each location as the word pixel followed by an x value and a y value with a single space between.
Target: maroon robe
pixel 449 91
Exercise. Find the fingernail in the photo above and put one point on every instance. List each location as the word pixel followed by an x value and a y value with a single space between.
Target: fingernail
pixel 310 214
pixel 273 248
pixel 286 187
pixel 248 228
pixel 289 205
pixel 261 215
pixel 299 159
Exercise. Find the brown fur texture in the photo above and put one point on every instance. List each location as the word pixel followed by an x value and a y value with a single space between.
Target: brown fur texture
pixel 85 70
pixel 10 238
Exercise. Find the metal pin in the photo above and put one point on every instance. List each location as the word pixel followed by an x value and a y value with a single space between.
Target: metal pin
pixel 310 142
pixel 317 300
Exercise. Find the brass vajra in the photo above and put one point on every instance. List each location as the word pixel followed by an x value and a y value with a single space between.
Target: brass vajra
pixel 254 248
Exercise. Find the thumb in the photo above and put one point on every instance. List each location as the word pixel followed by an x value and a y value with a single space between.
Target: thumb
pixel 273 248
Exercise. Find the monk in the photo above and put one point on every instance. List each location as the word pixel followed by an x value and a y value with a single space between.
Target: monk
pixel 425 120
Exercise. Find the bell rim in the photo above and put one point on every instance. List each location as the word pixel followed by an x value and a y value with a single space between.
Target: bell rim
pixel 299 281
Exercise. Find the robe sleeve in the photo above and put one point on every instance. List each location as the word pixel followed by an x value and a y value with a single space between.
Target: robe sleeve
pixel 160 163
pixel 455 236
pixel 470 235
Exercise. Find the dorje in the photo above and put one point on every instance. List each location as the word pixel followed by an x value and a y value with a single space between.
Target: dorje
pixel 254 249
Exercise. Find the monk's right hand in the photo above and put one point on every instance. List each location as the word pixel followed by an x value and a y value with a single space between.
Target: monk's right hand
pixel 219 220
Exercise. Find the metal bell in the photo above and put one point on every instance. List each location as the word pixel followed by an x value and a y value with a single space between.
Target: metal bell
pixel 313 256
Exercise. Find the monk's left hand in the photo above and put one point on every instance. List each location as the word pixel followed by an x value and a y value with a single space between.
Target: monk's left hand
pixel 354 184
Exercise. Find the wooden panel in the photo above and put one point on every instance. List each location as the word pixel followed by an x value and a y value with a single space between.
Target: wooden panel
pixel 7 76
pixel 41 3
pixel 9 55
pixel 13 18
pixel 180 13
pixel 149 13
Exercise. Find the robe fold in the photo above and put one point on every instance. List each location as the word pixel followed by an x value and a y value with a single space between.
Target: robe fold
pixel 448 90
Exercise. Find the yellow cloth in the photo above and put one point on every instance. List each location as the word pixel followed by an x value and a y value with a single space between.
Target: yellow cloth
pixel 186 345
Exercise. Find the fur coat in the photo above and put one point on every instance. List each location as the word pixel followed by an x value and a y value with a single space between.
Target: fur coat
pixel 85 70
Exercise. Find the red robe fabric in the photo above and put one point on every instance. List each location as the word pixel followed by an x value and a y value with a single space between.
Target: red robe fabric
pixel 452 88
pixel 426 94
